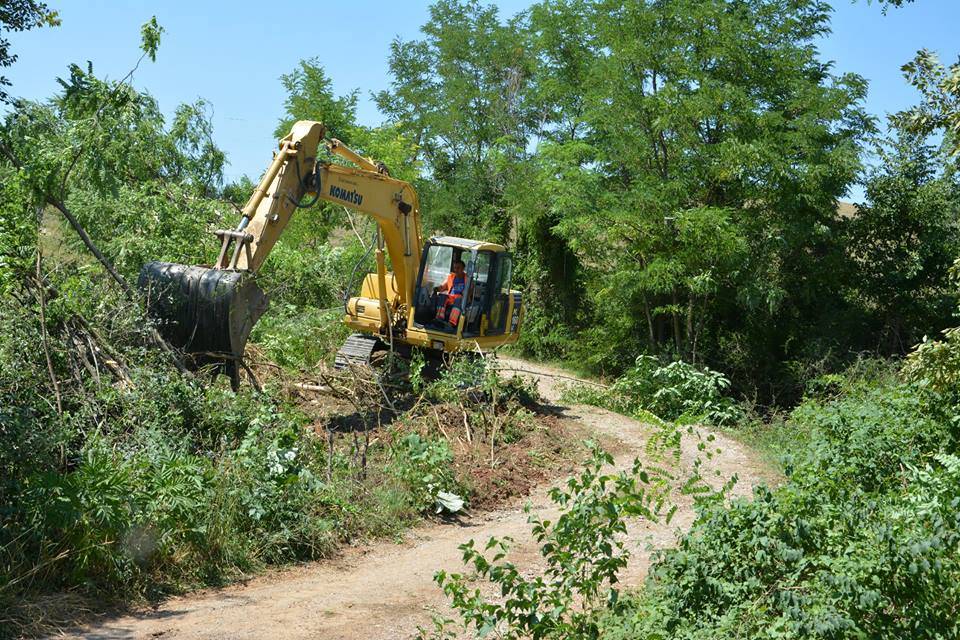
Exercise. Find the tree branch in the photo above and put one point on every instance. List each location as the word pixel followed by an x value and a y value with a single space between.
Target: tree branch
pixel 128 291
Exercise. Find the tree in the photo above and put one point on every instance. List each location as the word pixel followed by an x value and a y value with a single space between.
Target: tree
pixel 101 150
pixel 303 269
pixel 458 94
pixel 668 171
pixel 310 97
pixel 721 144
pixel 905 239
pixel 20 15
pixel 939 87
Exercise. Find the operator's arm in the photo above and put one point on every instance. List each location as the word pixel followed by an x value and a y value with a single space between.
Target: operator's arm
pixel 445 287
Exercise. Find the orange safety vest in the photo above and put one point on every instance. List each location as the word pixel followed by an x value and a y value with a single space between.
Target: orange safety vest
pixel 454 293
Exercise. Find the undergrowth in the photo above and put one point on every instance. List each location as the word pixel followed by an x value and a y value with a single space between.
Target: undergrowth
pixel 675 391
pixel 124 481
pixel 859 540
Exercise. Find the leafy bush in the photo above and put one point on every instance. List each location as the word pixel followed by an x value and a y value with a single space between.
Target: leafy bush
pixel 426 468
pixel 675 391
pixel 793 564
pixel 151 482
pixel 584 549
pixel 859 542
pixel 300 337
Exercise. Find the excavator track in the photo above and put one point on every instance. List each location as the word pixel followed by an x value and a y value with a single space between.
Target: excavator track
pixel 357 350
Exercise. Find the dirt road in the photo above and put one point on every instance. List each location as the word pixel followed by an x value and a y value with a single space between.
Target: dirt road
pixel 386 590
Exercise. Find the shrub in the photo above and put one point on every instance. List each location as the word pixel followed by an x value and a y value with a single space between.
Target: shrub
pixel 859 542
pixel 151 482
pixel 583 549
pixel 425 466
pixel 675 391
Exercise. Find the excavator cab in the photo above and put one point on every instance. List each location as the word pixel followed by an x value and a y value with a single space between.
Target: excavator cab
pixel 483 307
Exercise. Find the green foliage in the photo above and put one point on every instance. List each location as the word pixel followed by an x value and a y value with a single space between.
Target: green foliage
pixel 858 542
pixel 666 192
pixel 462 373
pixel 20 15
pixel 300 337
pixel 675 391
pixel 159 482
pixel 935 363
pixel 458 93
pixel 939 87
pixel 140 189
pixel 19 229
pixel 904 241
pixel 667 173
pixel 497 408
pixel 150 34
pixel 893 3
pixel 310 97
pixel 425 466
pixel 583 550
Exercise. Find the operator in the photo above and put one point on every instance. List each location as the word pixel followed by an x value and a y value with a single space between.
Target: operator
pixel 454 287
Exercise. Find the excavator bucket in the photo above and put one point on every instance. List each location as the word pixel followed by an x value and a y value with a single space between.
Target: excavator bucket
pixel 208 313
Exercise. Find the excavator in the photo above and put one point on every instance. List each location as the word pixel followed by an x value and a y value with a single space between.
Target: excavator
pixel 442 295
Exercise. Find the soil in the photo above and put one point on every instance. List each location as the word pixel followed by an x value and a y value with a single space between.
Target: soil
pixel 386 590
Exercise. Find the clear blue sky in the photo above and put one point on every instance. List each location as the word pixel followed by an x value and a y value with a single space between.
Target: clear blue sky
pixel 232 53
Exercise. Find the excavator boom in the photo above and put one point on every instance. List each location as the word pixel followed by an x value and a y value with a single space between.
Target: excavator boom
pixel 210 311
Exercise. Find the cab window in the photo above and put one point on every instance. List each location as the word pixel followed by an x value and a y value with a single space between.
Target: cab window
pixel 438 266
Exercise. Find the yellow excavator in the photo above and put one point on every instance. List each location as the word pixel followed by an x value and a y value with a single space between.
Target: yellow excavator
pixel 443 295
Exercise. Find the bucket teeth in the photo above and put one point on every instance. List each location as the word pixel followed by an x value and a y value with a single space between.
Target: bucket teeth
pixel 208 313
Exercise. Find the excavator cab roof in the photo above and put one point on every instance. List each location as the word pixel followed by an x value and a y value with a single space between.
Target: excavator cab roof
pixel 464 243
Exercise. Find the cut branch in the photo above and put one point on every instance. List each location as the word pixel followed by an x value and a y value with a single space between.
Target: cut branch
pixel 43 336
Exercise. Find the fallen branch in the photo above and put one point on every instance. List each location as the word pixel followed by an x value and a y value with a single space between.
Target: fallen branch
pixel 58 204
pixel 43 336
pixel 312 387
pixel 554 375
pixel 253 377
pixel 466 423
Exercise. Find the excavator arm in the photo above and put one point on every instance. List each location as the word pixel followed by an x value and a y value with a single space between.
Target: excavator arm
pixel 211 311
pixel 296 173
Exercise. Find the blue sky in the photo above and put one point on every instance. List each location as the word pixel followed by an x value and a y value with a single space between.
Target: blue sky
pixel 232 53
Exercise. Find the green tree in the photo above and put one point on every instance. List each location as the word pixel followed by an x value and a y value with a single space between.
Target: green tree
pixel 20 15
pixel 668 171
pixel 557 178
pixel 458 94
pixel 905 239
pixel 719 143
pixel 310 96
pixel 101 150
pixel 939 87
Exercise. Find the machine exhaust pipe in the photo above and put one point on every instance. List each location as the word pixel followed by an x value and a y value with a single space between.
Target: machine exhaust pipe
pixel 208 313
